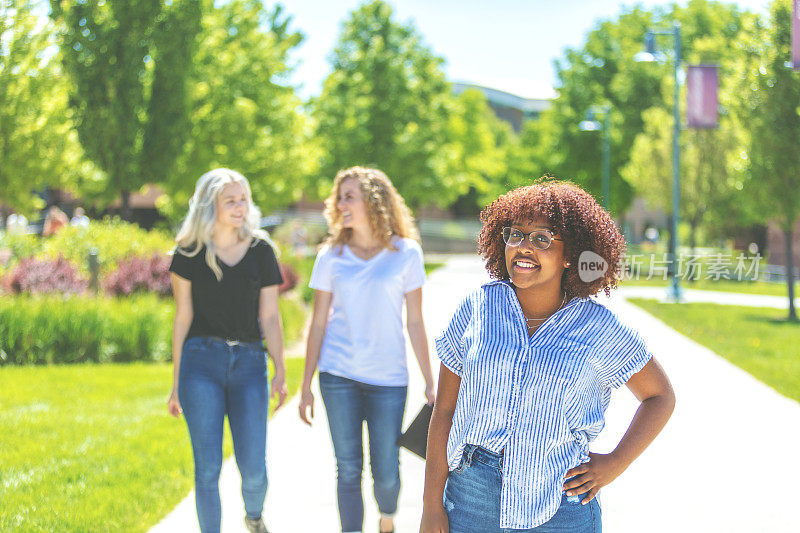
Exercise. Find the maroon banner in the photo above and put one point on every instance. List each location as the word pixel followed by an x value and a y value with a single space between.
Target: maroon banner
pixel 701 96
pixel 796 34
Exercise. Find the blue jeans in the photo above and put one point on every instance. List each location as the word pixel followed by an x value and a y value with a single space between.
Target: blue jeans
pixel 348 403
pixel 216 379
pixel 472 500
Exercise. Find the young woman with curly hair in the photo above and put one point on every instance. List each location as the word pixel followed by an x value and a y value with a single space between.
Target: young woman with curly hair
pixel 528 363
pixel 369 266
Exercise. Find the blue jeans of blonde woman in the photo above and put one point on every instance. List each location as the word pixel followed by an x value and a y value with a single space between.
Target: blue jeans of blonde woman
pixel 349 403
pixel 218 379
pixel 472 500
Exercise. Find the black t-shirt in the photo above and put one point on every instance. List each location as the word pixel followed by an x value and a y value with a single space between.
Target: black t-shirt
pixel 228 308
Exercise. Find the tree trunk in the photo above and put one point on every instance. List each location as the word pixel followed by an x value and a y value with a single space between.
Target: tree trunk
pixel 788 235
pixel 692 243
pixel 126 205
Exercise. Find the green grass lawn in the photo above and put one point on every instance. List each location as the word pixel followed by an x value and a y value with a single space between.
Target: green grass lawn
pixel 92 448
pixel 758 340
pixel 723 285
pixel 430 267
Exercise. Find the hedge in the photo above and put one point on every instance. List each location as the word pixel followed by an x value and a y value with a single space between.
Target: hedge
pixel 77 329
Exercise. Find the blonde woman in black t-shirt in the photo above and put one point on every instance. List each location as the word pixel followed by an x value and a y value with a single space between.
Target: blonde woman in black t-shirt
pixel 225 283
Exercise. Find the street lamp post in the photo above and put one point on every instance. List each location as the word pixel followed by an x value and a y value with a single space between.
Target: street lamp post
pixel 649 55
pixel 591 124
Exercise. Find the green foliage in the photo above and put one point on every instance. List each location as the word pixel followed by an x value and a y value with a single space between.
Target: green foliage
pixel 92 448
pixel 303 266
pixel 38 145
pixel 21 246
pixel 386 104
pixel 59 330
pixel 244 114
pixel 293 318
pixel 708 179
pixel 475 157
pixel 73 330
pixel 768 96
pixel 128 64
pixel 710 174
pixel 114 240
pixel 168 126
pixel 602 71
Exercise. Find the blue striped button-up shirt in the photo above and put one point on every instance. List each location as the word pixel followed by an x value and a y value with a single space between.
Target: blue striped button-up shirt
pixel 540 399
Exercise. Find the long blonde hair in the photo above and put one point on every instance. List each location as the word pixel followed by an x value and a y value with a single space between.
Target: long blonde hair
pixel 388 213
pixel 197 229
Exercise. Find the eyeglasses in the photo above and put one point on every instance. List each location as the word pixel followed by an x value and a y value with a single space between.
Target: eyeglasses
pixel 540 238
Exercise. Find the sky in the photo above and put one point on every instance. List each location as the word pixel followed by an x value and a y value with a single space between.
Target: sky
pixel 505 44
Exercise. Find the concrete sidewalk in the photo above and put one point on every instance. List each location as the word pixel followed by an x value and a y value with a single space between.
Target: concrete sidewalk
pixel 714 297
pixel 724 463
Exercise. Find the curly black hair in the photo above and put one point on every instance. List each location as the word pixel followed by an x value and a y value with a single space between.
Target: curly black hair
pixel 572 213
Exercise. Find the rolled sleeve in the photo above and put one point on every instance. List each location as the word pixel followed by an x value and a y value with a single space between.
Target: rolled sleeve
pixel 414 277
pixel 450 345
pixel 181 264
pixel 621 353
pixel 321 275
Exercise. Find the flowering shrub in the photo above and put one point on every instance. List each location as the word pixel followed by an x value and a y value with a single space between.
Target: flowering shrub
pixel 45 276
pixel 114 240
pixel 139 274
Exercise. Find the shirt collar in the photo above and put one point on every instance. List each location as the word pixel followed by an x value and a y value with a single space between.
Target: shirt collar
pixel 505 283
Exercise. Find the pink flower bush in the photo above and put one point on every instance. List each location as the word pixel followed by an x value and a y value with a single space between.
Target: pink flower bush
pixel 145 274
pixel 45 276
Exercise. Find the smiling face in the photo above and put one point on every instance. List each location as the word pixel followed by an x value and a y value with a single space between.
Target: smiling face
pixel 530 267
pixel 351 205
pixel 232 205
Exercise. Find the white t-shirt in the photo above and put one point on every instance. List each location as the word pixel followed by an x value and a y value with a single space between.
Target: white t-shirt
pixel 364 338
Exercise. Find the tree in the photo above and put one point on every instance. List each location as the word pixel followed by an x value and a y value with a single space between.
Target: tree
pixel 601 72
pixel 244 114
pixel 708 173
pixel 476 155
pixel 604 71
pixel 769 96
pixel 127 60
pixel 38 147
pixel 707 176
pixel 386 104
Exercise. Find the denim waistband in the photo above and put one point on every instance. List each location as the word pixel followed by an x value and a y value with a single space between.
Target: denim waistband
pixel 482 455
pixel 233 342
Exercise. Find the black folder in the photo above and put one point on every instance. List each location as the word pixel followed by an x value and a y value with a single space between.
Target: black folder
pixel 415 437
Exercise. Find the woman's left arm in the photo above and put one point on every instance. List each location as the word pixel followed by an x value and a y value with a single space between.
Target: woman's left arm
pixel 652 388
pixel 419 340
pixel 270 316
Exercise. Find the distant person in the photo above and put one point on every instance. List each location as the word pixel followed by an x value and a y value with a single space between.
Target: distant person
pixel 79 218
pixel 54 221
pixel 370 265
pixel 16 224
pixel 225 283
pixel 652 234
pixel 528 363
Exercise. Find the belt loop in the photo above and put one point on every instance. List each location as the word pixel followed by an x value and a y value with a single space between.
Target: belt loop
pixel 471 451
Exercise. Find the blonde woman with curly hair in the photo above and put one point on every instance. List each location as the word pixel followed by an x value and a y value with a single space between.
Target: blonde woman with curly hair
pixel 225 281
pixel 369 266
